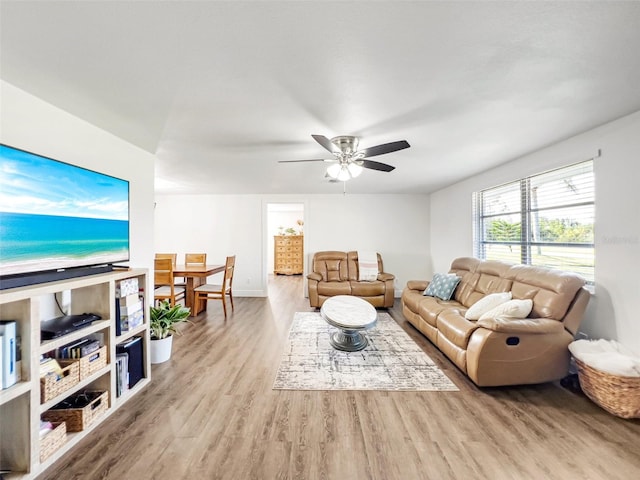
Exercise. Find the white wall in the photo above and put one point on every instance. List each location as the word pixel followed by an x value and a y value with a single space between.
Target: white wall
pixel 397 226
pixel 31 124
pixel 612 312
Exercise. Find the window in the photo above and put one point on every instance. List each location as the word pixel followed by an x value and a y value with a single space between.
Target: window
pixel 544 220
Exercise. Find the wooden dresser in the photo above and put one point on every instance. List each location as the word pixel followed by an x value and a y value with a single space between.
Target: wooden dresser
pixel 288 251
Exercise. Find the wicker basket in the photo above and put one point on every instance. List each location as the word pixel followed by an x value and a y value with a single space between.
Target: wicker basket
pixel 77 419
pixel 93 362
pixel 51 386
pixel 53 440
pixel 615 394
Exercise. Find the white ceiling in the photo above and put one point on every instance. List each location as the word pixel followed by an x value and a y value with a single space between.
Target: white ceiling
pixel 221 91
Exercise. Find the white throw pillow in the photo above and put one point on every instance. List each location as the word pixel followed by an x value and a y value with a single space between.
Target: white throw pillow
pixel 511 309
pixel 485 304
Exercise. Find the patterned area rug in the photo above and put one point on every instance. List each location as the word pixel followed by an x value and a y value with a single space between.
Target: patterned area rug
pixel 391 361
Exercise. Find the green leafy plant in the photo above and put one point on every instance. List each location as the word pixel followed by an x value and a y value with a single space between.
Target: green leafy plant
pixel 164 319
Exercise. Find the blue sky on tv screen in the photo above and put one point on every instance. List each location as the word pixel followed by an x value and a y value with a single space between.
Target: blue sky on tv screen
pixel 36 185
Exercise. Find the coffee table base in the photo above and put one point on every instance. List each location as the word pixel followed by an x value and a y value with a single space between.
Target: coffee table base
pixel 348 340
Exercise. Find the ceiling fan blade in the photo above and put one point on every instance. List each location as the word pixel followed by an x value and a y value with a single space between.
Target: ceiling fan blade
pixel 310 160
pixel 385 148
pixel 325 142
pixel 382 167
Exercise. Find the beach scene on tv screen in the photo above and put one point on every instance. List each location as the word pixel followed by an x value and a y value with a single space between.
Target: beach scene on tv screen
pixel 54 215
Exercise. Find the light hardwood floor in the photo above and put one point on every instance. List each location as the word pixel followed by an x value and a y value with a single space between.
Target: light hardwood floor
pixel 210 413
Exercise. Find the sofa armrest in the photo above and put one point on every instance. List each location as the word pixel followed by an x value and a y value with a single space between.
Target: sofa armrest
pixel 389 292
pixel 417 285
pixel 522 325
pixel 312 286
pixel 384 277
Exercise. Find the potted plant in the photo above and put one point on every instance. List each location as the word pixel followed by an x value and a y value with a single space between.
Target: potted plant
pixel 164 319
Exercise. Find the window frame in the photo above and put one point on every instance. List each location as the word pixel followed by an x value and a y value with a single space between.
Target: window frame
pixel 526 211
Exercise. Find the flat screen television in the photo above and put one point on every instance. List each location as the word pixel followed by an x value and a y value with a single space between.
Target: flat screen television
pixel 58 220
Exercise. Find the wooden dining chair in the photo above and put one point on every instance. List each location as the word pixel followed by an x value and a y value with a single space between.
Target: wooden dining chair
pixel 165 287
pixel 172 256
pixel 195 259
pixel 218 292
pixel 177 281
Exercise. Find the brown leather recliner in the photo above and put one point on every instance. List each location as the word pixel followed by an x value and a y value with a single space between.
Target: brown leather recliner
pixel 502 351
pixel 336 273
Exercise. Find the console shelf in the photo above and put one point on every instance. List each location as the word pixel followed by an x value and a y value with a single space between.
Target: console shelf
pixel 20 406
pixel 15 391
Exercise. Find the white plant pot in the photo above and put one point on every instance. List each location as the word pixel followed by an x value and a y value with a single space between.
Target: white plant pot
pixel 161 349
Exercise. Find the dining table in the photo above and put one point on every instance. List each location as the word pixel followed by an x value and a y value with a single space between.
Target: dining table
pixel 195 275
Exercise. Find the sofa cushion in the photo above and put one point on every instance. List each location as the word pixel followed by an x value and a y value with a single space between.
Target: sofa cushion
pixel 442 286
pixel 455 328
pixel 510 309
pixel 367 289
pixel 485 304
pixel 332 265
pixel 430 307
pixel 333 270
pixel 486 278
pixel 331 289
pixel 552 291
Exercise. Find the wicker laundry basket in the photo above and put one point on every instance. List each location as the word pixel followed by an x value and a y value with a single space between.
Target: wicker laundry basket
pixel 617 395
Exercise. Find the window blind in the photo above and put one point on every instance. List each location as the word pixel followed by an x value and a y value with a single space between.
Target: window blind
pixel 546 220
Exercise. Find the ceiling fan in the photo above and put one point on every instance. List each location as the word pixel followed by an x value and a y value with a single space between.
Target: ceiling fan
pixel 348 161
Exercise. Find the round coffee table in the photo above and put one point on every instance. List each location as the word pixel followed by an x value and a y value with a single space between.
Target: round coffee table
pixel 350 315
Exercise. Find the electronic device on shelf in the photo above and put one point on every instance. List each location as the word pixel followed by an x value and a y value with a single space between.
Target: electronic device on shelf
pixel 65 324
pixel 69 222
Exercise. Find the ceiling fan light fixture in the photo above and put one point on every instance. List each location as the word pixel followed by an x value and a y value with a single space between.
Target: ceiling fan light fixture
pixel 354 169
pixel 344 171
pixel 334 170
pixel 344 174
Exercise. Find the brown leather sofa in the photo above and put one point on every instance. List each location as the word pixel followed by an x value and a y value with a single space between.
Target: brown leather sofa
pixel 336 273
pixel 502 351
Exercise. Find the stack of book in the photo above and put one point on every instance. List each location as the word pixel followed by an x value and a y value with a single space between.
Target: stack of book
pixel 79 348
pixel 129 306
pixel 131 312
pixel 132 348
pixel 122 373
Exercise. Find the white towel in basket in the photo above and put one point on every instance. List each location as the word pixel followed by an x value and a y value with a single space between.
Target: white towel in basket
pixel 607 356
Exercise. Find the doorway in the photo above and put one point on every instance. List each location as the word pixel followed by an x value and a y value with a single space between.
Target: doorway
pixel 282 219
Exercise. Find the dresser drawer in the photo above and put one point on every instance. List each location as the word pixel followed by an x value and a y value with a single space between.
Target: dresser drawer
pixel 288 254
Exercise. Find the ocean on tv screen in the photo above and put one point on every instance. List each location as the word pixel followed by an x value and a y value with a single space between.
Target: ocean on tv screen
pixel 44 242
